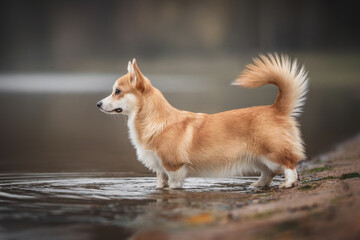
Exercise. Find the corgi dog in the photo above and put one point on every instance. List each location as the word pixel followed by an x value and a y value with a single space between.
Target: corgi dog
pixel 176 144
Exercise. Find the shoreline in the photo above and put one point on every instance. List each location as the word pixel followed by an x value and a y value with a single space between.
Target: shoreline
pixel 324 205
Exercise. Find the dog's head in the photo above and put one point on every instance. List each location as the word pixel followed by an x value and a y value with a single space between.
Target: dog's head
pixel 127 93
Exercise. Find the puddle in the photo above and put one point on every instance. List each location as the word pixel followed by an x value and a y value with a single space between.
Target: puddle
pixel 117 200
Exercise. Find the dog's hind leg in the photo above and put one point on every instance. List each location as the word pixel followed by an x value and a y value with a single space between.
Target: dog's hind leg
pixel 176 178
pixel 264 180
pixel 288 160
pixel 267 174
pixel 291 178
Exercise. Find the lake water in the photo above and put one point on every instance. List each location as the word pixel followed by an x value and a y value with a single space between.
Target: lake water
pixel 97 205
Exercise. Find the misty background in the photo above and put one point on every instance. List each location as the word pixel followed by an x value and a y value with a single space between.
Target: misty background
pixel 58 58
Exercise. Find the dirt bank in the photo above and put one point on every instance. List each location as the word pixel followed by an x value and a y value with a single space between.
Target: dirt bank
pixel 324 205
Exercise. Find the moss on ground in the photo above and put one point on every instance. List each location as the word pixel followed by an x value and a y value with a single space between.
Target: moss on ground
pixel 319 169
pixel 309 186
pixel 350 175
pixel 319 179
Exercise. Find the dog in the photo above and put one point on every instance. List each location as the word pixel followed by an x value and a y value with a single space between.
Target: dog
pixel 176 144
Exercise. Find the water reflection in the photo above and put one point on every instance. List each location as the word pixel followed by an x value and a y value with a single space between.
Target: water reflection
pixel 128 201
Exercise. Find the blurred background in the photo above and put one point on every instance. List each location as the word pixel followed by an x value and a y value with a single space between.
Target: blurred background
pixel 58 58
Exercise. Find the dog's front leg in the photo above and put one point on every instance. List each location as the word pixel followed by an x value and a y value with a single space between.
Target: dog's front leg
pixel 162 179
pixel 176 178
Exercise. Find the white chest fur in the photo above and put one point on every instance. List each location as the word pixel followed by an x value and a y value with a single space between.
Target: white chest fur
pixel 147 157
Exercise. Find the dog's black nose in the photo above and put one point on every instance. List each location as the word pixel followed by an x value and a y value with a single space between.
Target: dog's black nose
pixel 99 104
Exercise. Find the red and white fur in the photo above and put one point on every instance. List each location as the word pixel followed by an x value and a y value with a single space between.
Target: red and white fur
pixel 176 144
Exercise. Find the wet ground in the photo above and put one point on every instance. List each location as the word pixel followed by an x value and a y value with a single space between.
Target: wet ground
pixel 324 205
pixel 35 206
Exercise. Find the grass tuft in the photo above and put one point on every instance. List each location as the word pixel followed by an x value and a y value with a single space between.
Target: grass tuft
pixel 309 186
pixel 319 169
pixel 350 175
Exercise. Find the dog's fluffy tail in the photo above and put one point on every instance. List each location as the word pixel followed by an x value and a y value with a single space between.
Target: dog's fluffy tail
pixel 291 80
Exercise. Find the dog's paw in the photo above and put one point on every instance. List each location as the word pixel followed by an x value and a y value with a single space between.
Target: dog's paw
pixel 175 185
pixel 287 184
pixel 257 184
pixel 161 183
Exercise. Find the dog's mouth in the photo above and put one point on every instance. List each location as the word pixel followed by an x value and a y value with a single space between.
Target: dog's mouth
pixel 117 110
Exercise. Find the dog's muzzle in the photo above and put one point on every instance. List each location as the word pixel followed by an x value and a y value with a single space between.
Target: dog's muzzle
pixel 118 110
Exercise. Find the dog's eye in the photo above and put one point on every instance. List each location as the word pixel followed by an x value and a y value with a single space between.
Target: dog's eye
pixel 117 91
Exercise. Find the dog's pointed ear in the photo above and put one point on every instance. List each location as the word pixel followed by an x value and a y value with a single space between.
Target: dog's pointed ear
pixel 141 83
pixel 131 71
